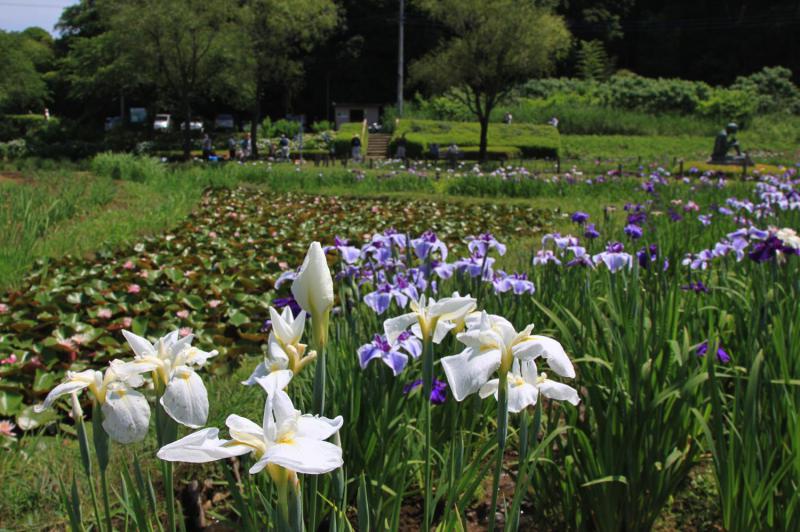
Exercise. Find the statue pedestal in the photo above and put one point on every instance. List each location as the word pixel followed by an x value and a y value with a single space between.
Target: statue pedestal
pixel 741 160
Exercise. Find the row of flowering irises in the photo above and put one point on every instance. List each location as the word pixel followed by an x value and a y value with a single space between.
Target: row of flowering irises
pixel 288 442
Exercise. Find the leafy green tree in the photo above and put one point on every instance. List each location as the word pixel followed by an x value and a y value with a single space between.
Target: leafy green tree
pixel 279 35
pixel 184 47
pixel 25 60
pixel 495 45
pixel 593 61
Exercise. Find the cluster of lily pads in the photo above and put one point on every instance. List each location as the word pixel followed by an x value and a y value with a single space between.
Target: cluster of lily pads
pixel 208 277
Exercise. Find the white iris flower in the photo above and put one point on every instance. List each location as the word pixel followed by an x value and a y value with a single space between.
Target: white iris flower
pixel 172 361
pixel 286 439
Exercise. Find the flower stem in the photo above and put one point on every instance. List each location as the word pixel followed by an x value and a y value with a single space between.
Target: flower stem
pixel 319 407
pixel 166 433
pixel 86 460
pixel 502 428
pixel 427 387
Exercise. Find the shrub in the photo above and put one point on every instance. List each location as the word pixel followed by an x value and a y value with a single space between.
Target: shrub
pixel 528 139
pixel 18 126
pixel 13 149
pixel 341 144
pixel 127 167
pixel 321 126
pixel 773 88
pixel 729 105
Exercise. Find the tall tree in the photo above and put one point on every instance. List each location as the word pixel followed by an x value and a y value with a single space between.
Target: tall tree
pixel 25 60
pixel 494 45
pixel 279 35
pixel 185 47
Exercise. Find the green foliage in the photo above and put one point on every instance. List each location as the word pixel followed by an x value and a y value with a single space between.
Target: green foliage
pixel 13 149
pixel 19 126
pixel 507 141
pixel 774 89
pixel 593 61
pixel 290 128
pixel 725 106
pixel 24 59
pixel 321 126
pixel 345 134
pixel 494 46
pixel 127 167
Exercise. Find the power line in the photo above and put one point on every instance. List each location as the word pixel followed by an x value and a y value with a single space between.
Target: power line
pixel 36 6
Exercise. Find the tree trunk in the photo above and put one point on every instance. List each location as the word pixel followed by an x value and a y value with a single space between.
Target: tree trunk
pixel 255 121
pixel 187 131
pixel 484 120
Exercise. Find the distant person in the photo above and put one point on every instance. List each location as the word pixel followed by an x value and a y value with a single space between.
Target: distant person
pixel 508 118
pixel 207 147
pixel 434 150
pixel 355 148
pixel 46 113
pixel 247 147
pixel 452 154
pixel 231 148
pixel 401 147
pixel 284 145
pixel 553 122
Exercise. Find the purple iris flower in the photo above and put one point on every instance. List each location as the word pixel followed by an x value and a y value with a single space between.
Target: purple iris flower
pixel 560 241
pixel 579 217
pixel 697 288
pixel 675 216
pixel 766 250
pixel 380 299
pixel 288 275
pixel 379 348
pixel 438 391
pixel 543 256
pixel 591 232
pixel 563 242
pixel 637 218
pixel 349 254
pixel 288 301
pixel 443 269
pixel 581 258
pixel 647 255
pixel 427 243
pixel 700 261
pixel 757 233
pixel 705 219
pixel 722 355
pixel 481 244
pixel 633 231
pixel 614 257
pixel 476 266
pixel 516 282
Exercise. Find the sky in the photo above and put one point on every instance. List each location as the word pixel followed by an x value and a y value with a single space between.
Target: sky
pixel 16 15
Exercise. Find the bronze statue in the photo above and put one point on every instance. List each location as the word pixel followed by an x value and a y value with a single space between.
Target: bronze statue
pixel 726 139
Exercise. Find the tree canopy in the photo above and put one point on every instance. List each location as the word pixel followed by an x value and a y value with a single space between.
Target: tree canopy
pixel 494 45
pixel 26 62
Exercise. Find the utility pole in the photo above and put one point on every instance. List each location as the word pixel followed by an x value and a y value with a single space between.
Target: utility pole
pixel 400 43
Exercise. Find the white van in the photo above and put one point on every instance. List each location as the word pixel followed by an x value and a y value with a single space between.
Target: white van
pixel 162 122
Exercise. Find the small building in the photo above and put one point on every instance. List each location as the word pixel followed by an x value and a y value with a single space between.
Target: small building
pixel 356 112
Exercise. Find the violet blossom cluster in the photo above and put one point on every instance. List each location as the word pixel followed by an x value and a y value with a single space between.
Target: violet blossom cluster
pixel 757 244
pixel 394 268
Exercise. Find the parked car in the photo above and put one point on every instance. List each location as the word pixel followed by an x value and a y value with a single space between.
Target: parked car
pixel 112 122
pixel 195 124
pixel 224 122
pixel 162 122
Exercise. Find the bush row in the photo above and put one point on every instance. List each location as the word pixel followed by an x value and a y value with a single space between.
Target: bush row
pixel 505 141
